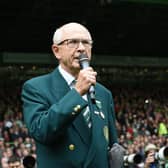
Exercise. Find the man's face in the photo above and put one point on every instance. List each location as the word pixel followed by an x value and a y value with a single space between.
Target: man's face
pixel 75 41
pixel 16 164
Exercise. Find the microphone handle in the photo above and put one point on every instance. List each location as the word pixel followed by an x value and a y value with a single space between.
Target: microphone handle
pixel 84 63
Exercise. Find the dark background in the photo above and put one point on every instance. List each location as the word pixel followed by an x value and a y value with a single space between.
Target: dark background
pixel 118 27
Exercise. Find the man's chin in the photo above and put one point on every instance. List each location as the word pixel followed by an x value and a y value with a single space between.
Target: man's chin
pixel 76 65
pixel 77 68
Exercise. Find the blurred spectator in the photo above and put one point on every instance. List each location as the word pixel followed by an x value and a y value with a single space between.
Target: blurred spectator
pixel 162 127
pixel 7 153
pixel 29 162
pixel 14 162
pixel 150 161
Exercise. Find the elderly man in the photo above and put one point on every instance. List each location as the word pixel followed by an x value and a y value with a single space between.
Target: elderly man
pixel 70 131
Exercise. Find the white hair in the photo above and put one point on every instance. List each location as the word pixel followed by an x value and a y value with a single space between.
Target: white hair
pixel 57 37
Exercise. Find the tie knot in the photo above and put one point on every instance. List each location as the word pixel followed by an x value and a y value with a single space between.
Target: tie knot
pixel 72 85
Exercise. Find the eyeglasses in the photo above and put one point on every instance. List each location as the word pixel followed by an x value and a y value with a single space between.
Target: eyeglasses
pixel 74 43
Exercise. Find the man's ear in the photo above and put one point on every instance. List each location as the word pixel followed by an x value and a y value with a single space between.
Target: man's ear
pixel 55 50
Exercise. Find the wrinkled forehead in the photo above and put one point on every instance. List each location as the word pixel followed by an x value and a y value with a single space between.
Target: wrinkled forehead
pixel 74 30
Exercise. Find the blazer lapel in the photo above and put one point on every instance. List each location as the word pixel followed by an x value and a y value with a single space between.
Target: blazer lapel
pixel 94 137
pixel 97 124
pixel 60 88
pixel 58 84
pixel 82 128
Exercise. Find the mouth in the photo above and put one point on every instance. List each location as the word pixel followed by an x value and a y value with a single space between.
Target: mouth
pixel 76 59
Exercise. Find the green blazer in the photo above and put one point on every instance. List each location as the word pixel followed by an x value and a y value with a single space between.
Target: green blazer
pixel 53 116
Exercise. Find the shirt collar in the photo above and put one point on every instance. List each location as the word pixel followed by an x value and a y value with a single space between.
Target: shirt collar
pixel 67 76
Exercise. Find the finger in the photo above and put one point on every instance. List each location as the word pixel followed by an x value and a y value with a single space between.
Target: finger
pixel 91 77
pixel 94 73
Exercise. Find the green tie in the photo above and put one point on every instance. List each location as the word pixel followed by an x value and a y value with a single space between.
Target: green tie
pixel 72 84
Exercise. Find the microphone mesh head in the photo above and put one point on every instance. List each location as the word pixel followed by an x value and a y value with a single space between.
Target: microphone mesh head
pixel 83 61
pixel 83 57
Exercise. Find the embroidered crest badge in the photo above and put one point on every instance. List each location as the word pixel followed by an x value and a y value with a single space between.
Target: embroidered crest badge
pixel 106 133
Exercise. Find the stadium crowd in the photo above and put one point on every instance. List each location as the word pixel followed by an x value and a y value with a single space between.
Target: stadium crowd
pixel 142 117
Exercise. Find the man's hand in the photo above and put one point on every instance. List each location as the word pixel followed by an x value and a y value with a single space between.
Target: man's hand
pixel 86 78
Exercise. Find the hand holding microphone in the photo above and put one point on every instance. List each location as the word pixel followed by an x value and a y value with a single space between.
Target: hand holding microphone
pixel 86 78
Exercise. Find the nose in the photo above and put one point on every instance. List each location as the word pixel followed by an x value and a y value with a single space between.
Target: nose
pixel 81 46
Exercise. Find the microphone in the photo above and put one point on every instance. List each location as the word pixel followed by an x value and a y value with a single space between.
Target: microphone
pixel 84 63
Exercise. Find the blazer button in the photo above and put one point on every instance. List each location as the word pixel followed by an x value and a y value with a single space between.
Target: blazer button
pixel 73 113
pixel 77 108
pixel 71 147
